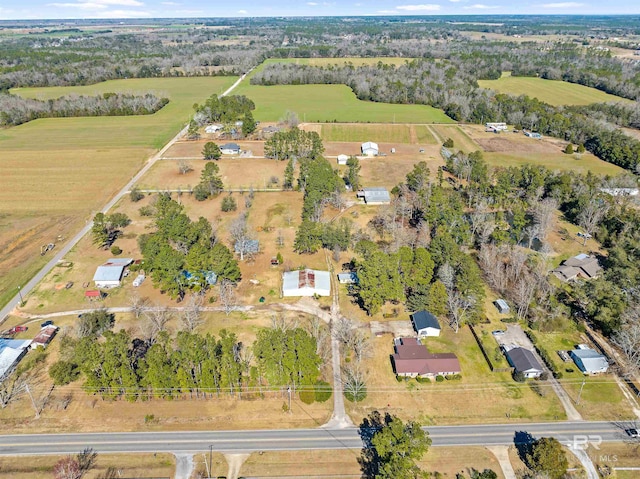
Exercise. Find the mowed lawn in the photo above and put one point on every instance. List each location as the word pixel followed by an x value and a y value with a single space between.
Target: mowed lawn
pixel 70 167
pixel 329 103
pixel 549 91
pixel 554 161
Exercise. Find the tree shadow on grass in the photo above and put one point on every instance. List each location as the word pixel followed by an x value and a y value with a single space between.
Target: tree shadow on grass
pixel 369 460
pixel 523 442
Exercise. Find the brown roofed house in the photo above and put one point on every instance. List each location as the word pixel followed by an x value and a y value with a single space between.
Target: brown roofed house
pixel 413 359
pixel 582 265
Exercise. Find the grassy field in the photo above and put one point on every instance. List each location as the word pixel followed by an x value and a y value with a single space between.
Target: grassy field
pixel 549 91
pixel 329 103
pixel 57 171
pixel 362 133
pixel 556 161
pixel 127 465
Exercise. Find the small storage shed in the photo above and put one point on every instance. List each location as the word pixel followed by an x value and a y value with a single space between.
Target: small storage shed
pixel 502 306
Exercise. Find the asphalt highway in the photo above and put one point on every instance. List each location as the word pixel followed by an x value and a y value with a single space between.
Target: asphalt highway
pixel 577 433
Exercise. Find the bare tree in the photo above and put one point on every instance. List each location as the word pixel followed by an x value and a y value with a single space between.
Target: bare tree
pixel 228 297
pixel 544 216
pixel 12 388
pixel 447 275
pixel 280 239
pixel 280 322
pixel 522 294
pixel 353 381
pixel 156 320
pixel 138 304
pixel 184 166
pixel 458 305
pixel 360 344
pixel 627 338
pixel 591 215
pixel 191 316
pixel 318 331
pixel 342 330
pixel 240 235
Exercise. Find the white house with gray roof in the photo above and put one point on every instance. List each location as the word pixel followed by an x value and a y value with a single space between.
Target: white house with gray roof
pixel 589 361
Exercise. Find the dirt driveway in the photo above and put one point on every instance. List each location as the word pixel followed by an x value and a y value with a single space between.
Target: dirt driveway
pixel 399 329
pixel 513 337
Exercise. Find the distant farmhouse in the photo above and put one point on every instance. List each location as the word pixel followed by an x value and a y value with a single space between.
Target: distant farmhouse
pixel 582 265
pixel 369 148
pixel 375 196
pixel 413 359
pixel 230 149
pixel 109 275
pixel 306 282
pixel 425 324
pixel 524 361
pixel 588 360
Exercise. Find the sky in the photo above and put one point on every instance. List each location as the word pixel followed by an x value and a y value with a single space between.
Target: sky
pixel 53 9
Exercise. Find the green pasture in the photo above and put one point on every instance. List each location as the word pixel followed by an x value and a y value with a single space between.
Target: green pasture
pixel 552 92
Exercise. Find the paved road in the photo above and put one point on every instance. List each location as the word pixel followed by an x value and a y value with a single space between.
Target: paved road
pixel 59 254
pixel 290 439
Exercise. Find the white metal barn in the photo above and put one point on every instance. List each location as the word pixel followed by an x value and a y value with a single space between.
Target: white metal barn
pixel 306 282
pixel 369 148
pixel 110 273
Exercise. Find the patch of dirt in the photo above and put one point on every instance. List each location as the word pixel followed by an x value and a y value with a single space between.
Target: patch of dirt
pixel 503 145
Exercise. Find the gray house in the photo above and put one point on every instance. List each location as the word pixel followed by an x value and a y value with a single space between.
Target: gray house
pixel 230 149
pixel 589 361
pixel 425 324
pixel 523 361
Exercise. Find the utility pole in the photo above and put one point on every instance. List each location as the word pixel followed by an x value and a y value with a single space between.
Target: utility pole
pixel 32 401
pixel 20 294
pixel 210 459
pixel 289 391
pixel 581 388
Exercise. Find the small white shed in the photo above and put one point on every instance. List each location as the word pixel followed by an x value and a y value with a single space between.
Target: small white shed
pixel 342 159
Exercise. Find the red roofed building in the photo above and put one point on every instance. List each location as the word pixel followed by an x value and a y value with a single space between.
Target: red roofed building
pixel 413 359
pixel 44 337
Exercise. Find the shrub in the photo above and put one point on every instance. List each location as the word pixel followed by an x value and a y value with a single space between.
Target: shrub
pixel 279 258
pixel 323 391
pixel 356 397
pixel 558 374
pixel 569 149
pixel 146 211
pixel 581 148
pixel 63 372
pixel 453 377
pixel 439 378
pixel 569 370
pixel 229 204
pixel 423 380
pixel 399 378
pixel 148 418
pixel 116 250
pixel 519 377
pixel 307 396
pixel 200 193
pixel 135 195
pixel 448 143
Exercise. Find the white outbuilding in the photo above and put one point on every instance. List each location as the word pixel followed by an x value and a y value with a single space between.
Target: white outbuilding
pixel 369 148
pixel 342 159
pixel 110 273
pixel 306 282
pixel 213 128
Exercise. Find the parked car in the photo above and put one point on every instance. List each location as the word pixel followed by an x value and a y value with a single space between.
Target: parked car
pixel 18 329
pixel 46 323
pixel 497 332
pixel 633 432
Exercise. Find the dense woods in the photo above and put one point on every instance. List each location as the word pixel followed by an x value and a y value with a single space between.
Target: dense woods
pixel 15 110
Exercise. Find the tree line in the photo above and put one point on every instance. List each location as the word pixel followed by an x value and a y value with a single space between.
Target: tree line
pixel 15 110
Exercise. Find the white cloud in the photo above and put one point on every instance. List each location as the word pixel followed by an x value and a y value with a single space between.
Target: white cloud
pixel 480 6
pixel 563 5
pixel 123 14
pixel 242 12
pixel 388 12
pixel 428 7
pixel 313 4
pixel 97 4
pixel 454 1
pixel 171 4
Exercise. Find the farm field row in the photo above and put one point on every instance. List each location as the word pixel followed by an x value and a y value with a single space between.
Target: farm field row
pixel 332 103
pixel 549 91
pixel 58 171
